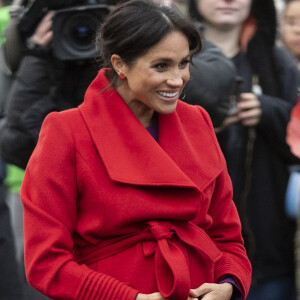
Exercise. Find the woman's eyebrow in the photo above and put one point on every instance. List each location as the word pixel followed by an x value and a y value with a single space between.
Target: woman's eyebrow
pixel 167 59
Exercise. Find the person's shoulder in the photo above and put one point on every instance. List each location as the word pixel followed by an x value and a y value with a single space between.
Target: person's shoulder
pixel 193 113
pixel 67 114
pixel 62 119
pixel 61 128
pixel 196 120
pixel 191 108
pixel 287 68
pixel 284 58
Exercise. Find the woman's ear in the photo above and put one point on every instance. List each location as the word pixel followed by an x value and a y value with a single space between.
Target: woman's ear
pixel 118 64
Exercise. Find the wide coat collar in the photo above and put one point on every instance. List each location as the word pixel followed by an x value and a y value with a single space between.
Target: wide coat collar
pixel 186 155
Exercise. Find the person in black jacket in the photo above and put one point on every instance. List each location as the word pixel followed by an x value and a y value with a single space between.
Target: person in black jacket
pixel 253 137
pixel 43 84
pixel 10 283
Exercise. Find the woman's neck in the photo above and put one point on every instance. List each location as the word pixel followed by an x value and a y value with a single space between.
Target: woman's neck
pixel 139 109
pixel 227 39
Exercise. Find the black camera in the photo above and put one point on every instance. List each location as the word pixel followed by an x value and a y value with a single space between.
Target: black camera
pixel 29 14
pixel 75 23
pixel 74 26
pixel 74 31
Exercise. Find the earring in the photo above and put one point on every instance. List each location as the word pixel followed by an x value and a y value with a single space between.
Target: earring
pixel 122 76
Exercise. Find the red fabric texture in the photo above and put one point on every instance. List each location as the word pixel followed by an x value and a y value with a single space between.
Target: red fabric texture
pixel 293 130
pixel 109 212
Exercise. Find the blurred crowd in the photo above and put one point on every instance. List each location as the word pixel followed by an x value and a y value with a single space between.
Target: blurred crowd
pixel 247 78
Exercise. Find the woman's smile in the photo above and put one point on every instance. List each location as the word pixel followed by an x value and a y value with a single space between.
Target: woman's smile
pixel 168 96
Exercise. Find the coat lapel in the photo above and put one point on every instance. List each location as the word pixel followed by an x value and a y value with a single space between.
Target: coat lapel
pixel 129 152
pixel 191 143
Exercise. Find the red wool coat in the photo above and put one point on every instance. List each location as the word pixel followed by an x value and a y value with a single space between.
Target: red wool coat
pixel 109 212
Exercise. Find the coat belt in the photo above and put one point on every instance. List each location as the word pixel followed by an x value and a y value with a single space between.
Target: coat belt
pixel 171 267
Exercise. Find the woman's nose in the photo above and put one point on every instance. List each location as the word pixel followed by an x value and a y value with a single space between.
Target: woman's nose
pixel 296 29
pixel 176 80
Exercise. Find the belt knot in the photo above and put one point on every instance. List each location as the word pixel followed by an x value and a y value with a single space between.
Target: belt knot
pixel 160 230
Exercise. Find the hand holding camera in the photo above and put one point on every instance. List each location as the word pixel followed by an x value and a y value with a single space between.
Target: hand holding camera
pixel 43 33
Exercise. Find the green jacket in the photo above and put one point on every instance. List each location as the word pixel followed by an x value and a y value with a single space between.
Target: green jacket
pixel 14 178
pixel 4 19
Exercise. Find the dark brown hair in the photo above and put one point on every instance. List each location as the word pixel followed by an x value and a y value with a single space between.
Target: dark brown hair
pixel 135 26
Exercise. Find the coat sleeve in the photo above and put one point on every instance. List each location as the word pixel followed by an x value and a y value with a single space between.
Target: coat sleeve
pixel 225 228
pixel 49 195
pixel 225 231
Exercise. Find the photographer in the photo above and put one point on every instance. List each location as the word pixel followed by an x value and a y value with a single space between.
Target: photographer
pixel 42 83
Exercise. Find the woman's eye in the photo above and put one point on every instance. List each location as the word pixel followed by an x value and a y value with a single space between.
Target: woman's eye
pixel 290 22
pixel 161 67
pixel 184 63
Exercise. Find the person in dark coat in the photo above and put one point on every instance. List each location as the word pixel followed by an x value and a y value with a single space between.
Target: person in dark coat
pixel 34 91
pixel 42 84
pixel 253 137
pixel 10 283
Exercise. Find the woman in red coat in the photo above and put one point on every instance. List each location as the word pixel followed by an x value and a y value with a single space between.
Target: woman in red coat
pixel 128 195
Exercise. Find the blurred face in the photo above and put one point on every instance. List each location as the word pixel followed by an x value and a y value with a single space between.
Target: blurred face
pixel 224 14
pixel 156 79
pixel 291 28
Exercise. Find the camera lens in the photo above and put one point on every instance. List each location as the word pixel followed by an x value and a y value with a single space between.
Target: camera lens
pixel 74 31
pixel 80 30
pixel 82 34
